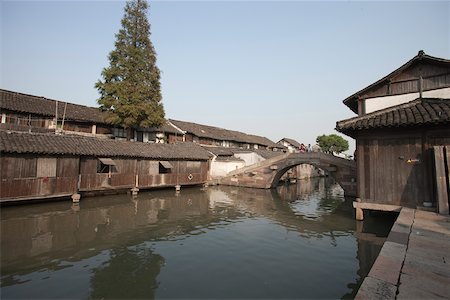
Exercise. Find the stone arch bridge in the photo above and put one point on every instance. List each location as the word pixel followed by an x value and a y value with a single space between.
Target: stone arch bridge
pixel 267 174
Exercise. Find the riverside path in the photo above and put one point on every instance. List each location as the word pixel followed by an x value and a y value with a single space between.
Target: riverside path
pixel 414 262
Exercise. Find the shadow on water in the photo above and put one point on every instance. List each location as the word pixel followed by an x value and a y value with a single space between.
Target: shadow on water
pixel 162 245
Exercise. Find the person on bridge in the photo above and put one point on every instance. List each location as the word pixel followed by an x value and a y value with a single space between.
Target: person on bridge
pixel 302 148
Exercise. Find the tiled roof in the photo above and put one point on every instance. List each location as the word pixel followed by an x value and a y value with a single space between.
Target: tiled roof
pixel 268 154
pixel 260 140
pixel 224 151
pixel 216 133
pixel 15 142
pixel 292 142
pixel 167 127
pixel 24 103
pixel 220 151
pixel 418 112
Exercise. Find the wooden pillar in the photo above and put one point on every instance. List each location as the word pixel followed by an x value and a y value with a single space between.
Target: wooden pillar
pixel 359 213
pixel 76 198
pixel 441 180
pixel 134 191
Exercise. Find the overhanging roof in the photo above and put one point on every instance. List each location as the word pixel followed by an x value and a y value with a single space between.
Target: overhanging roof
pixel 107 161
pixel 419 112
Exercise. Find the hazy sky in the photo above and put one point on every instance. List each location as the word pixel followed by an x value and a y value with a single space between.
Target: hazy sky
pixel 276 69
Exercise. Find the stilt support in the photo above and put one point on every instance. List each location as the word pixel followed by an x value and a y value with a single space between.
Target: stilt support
pixel 134 191
pixel 177 188
pixel 76 198
pixel 359 213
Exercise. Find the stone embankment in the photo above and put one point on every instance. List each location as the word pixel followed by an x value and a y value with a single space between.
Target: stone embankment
pixel 414 262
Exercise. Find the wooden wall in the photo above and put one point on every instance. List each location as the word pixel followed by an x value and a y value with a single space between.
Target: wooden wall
pixel 433 77
pixel 396 167
pixel 183 173
pixel 28 176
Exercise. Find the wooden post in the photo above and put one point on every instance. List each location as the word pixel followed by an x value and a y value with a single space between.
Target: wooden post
pixel 76 198
pixel 134 191
pixel 420 87
pixel 359 213
pixel 441 180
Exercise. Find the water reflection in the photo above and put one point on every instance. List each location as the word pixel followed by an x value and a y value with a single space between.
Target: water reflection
pixel 130 273
pixel 160 245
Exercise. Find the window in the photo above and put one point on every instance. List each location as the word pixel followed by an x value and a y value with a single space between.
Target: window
pixel 119 132
pixel 165 167
pixel 46 167
pixel 106 165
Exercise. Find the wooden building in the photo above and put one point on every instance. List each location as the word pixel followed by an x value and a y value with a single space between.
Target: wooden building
pixel 36 165
pixel 22 112
pixel 403 118
pixel 219 137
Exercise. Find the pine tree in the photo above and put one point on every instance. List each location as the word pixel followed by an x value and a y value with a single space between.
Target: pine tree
pixel 130 90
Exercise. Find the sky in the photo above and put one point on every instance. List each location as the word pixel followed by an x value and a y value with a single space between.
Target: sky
pixel 271 68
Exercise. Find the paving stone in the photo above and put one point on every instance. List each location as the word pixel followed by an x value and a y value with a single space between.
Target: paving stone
pixel 436 266
pixel 401 228
pixel 424 270
pixel 427 243
pixel 409 293
pixel 432 286
pixel 430 216
pixel 405 218
pixel 398 237
pixel 393 250
pixel 373 288
pixel 386 269
pixel 434 256
pixel 421 268
pixel 433 226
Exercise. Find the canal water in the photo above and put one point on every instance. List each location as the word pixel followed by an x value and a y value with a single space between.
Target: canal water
pixel 296 241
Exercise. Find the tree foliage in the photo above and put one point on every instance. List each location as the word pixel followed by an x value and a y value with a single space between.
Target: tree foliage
pixel 332 143
pixel 130 89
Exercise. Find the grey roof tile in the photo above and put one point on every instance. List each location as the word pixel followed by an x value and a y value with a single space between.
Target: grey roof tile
pixel 426 111
pixel 52 144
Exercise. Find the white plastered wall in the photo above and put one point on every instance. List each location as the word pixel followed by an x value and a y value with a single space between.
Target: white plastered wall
pixel 374 104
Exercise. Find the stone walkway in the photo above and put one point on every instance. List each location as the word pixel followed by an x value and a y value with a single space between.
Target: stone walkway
pixel 414 262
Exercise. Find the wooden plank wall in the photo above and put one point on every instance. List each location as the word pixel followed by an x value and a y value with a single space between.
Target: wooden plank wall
pixel 441 163
pixel 433 77
pixel 391 171
pixel 147 172
pixel 27 176
pixel 397 167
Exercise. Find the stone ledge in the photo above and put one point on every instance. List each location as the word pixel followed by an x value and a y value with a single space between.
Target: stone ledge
pixel 373 288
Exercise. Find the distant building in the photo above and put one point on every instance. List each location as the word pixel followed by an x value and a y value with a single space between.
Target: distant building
pixel 402 121
pixel 22 112
pixel 292 145
pixel 219 137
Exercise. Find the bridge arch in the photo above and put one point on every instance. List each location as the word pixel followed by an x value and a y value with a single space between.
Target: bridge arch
pixel 278 174
pixel 267 174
